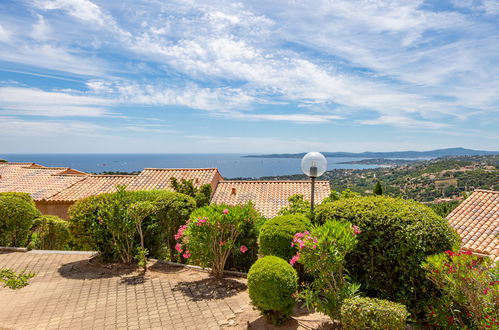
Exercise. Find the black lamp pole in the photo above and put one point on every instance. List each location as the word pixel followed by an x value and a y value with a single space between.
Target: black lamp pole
pixel 313 175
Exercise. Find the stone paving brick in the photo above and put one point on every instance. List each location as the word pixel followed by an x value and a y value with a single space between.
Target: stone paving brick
pixel 70 292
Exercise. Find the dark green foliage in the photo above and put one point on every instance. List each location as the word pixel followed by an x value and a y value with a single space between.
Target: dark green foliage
pixel 371 313
pixel 271 285
pixel 377 190
pixel 202 195
pixel 14 281
pixel 172 210
pixel 25 196
pixel 50 232
pixel 297 205
pixel 17 214
pixel 277 234
pixel 248 238
pixel 104 223
pixel 444 208
pixel 397 236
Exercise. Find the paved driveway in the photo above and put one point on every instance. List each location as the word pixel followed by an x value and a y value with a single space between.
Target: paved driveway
pixel 71 292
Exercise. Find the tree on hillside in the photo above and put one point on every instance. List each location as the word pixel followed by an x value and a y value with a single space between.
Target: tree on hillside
pixel 378 190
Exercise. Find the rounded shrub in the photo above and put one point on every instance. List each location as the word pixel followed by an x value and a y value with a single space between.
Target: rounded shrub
pixel 277 234
pixel 271 285
pixel 50 232
pixel 372 313
pixel 397 236
pixel 17 214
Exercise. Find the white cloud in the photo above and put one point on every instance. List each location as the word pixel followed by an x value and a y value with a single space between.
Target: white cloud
pixel 404 122
pixel 41 30
pixel 4 34
pixel 83 10
pixel 296 118
pixel 36 102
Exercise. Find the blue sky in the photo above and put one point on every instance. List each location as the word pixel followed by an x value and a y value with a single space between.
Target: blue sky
pixel 256 76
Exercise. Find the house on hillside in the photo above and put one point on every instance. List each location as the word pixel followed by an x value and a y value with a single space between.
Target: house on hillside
pixel 476 220
pixel 268 197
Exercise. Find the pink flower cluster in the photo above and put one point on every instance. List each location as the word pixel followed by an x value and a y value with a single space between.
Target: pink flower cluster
pixel 201 221
pixel 295 258
pixel 178 247
pixel 180 232
pixel 243 249
pixel 356 230
pixel 225 211
pixel 302 240
pixel 186 254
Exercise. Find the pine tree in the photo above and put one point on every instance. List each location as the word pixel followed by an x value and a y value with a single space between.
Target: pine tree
pixel 378 190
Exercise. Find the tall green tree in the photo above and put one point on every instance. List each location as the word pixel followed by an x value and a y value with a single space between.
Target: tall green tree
pixel 378 190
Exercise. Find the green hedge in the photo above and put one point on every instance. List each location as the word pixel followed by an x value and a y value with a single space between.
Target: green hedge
pixel 277 234
pixel 103 223
pixel 397 236
pixel 17 213
pixel 271 283
pixel 50 232
pixel 371 313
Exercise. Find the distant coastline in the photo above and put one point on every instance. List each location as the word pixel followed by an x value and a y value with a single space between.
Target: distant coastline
pixel 390 154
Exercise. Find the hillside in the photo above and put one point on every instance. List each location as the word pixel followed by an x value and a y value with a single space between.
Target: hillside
pixel 425 181
pixel 391 154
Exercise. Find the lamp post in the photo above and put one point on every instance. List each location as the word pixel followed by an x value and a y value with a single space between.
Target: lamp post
pixel 313 164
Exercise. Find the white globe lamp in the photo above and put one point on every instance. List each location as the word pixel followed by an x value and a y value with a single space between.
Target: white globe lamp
pixel 313 164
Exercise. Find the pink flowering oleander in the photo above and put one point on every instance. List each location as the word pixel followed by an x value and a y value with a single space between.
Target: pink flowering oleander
pixel 221 243
pixel 180 232
pixel 295 258
pixel 178 247
pixel 186 255
pixel 201 221
pixel 243 248
pixel 225 211
pixel 356 230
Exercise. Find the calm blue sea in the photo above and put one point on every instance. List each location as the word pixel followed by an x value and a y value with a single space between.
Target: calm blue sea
pixel 230 165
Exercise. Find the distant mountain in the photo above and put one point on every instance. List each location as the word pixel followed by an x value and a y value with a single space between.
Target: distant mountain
pixel 393 154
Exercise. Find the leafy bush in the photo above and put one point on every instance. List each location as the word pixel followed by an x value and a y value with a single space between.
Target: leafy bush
pixel 14 281
pixel 50 232
pixel 201 195
pixel 17 214
pixel 171 211
pixel 105 223
pixel 397 236
pixel 25 196
pixel 469 289
pixel 211 233
pixel 297 205
pixel 444 208
pixel 271 285
pixel 372 313
pixel 249 238
pixel 277 234
pixel 322 253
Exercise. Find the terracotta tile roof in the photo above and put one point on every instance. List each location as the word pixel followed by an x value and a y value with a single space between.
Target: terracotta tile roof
pixel 159 178
pixel 148 179
pixel 39 181
pixel 267 196
pixel 476 220
pixel 91 185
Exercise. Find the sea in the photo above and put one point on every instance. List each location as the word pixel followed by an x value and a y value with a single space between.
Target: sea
pixel 229 165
